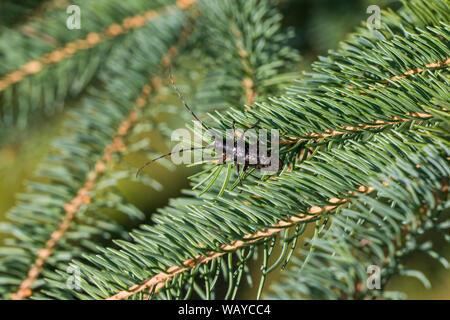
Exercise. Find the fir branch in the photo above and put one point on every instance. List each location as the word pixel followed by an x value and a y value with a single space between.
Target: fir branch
pixel 405 44
pixel 250 91
pixel 379 124
pixel 31 32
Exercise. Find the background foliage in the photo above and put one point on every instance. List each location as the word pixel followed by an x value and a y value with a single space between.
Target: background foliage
pixel 60 122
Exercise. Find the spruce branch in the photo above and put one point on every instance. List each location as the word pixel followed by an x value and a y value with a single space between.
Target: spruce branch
pixel 334 204
pixel 157 282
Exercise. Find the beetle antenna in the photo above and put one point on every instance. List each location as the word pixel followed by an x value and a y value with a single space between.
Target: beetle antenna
pixel 168 154
pixel 185 104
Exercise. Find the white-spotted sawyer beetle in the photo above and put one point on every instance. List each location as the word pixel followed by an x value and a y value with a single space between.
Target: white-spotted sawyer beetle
pixel 250 159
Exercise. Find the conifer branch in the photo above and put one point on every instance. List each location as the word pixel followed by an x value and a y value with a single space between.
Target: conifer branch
pixel 378 124
pixel 81 57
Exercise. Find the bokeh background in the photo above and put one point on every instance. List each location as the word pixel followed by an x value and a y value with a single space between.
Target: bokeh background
pixel 319 26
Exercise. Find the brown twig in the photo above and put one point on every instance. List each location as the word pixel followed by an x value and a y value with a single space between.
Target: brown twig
pixel 408 73
pixel 377 125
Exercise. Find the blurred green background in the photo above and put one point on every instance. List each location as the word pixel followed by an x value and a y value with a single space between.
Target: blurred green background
pixel 319 26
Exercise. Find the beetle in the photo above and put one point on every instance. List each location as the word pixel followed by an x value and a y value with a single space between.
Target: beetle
pixel 240 153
